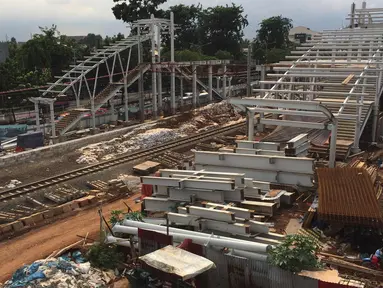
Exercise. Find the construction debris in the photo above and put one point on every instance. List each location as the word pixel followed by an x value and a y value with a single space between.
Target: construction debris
pixel 11 184
pixel 59 272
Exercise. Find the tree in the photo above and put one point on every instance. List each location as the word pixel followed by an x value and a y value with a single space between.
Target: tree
pixel 222 26
pixel 92 41
pixel 223 55
pixel 296 253
pixel 274 32
pixel 187 19
pixel 137 9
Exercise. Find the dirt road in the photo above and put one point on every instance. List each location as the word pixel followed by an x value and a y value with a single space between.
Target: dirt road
pixel 41 242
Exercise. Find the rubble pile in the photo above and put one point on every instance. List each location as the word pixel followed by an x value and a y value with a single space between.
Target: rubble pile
pixel 147 136
pixel 110 149
pixel 60 272
pixel 12 184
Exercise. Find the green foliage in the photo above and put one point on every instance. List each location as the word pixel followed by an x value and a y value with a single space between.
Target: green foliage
pixel 223 55
pixel 117 216
pixel 132 10
pixel 296 253
pixel 104 256
pixel 274 31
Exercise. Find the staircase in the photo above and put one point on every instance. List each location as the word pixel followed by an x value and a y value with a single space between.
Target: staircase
pixel 188 75
pixel 74 116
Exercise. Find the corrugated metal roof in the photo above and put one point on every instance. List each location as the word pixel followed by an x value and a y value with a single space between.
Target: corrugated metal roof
pixel 348 195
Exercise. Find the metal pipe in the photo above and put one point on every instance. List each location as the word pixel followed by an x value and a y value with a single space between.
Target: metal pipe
pixel 194 85
pixel 206 239
pixel 53 123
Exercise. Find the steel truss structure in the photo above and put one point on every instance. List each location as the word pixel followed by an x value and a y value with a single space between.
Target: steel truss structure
pixel 339 71
pixel 84 79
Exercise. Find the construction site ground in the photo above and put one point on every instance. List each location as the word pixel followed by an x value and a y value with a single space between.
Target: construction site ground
pixel 41 242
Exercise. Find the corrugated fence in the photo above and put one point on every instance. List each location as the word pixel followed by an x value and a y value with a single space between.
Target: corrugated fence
pixel 237 272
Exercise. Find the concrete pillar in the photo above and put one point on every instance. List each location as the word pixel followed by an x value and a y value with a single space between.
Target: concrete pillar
pixel 37 112
pixel 93 111
pixel 210 84
pixel 224 81
pixel 194 84
pixel 53 123
pixel 126 99
pixel 334 132
pixel 230 88
pixel 352 18
pixel 218 79
pixel 250 133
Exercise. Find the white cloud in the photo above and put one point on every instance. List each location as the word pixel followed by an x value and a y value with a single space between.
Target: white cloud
pixel 79 17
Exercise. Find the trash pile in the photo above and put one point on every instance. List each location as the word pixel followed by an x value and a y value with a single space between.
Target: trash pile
pixel 110 149
pixel 12 184
pixel 67 271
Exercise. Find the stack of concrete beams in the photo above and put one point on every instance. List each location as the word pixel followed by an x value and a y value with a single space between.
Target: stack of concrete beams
pixel 175 187
pixel 275 168
pixel 298 146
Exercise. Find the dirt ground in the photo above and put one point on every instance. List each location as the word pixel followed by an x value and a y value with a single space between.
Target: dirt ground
pixel 40 243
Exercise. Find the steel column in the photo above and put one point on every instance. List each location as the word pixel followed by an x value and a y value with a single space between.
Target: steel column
pixel 210 84
pixel 37 112
pixel 154 73
pixel 334 131
pixel 194 70
pixel 376 107
pixel 173 71
pixel 249 92
pixel 182 92
pixel 126 101
pixel 159 71
pixel 53 123
pixel 250 135
pixel 224 81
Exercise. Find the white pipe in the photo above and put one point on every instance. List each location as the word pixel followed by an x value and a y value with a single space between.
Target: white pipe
pixel 158 228
pixel 202 240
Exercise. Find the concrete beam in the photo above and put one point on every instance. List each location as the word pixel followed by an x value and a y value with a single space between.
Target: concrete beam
pixel 270 163
pixel 288 178
pixel 258 145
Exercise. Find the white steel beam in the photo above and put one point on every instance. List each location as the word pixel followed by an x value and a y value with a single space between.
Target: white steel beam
pixel 315 92
pixel 264 186
pixel 258 145
pixel 159 204
pixel 318 74
pixel 233 229
pixel 299 124
pixel 202 195
pixel 264 208
pixel 184 219
pixel 298 150
pixel 271 163
pixel 205 213
pixel 258 152
pixel 288 178
pixel 189 183
pixel 239 212
pixel 297 141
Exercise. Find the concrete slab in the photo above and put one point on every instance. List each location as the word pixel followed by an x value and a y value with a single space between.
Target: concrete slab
pixel 293 226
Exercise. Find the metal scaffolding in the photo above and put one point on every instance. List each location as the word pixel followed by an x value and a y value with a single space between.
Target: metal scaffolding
pixel 340 70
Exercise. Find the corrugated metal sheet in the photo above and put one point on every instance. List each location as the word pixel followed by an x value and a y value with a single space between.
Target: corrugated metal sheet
pixel 348 195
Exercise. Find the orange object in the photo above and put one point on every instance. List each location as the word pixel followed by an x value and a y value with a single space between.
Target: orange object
pixel 146 189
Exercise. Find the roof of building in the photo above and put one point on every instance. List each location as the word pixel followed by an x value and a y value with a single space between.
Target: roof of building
pixel 347 195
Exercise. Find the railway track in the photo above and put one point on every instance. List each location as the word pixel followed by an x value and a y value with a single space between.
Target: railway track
pixel 178 144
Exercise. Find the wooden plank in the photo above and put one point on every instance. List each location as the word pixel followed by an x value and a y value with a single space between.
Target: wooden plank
pixel 348 79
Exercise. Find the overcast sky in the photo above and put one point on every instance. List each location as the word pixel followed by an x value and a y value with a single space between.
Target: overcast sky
pixel 21 18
